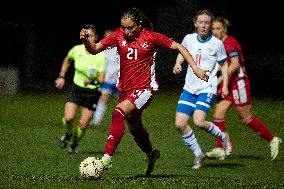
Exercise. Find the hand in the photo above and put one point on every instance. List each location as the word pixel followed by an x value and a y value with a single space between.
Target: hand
pixel 177 68
pixel 87 82
pixel 84 34
pixel 202 74
pixel 91 82
pixel 59 83
pixel 225 92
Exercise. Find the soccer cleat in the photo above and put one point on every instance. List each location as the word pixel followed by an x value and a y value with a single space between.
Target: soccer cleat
pixel 197 164
pixel 151 159
pixel 73 149
pixel 217 153
pixel 274 147
pixel 107 164
pixel 63 141
pixel 225 144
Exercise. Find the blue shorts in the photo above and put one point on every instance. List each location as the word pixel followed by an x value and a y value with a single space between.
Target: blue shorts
pixel 111 88
pixel 188 102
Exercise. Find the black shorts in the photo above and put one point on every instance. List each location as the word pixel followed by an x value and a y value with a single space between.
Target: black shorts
pixel 87 98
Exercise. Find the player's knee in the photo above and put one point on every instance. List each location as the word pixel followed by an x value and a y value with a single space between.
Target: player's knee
pixel 245 118
pixel 83 124
pixel 199 122
pixel 68 119
pixel 180 125
pixel 218 115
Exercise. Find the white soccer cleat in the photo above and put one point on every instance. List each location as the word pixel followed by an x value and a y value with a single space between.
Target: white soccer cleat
pixel 198 161
pixel 274 147
pixel 217 153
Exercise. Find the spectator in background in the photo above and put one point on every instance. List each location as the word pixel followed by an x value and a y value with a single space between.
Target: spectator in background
pixel 89 74
pixel 239 93
pixel 108 88
pixel 136 45
pixel 198 96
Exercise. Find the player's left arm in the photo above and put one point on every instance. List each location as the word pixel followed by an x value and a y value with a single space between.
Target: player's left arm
pixel 225 77
pixel 235 64
pixel 232 68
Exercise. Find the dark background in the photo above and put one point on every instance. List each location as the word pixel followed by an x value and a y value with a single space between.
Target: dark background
pixel 36 36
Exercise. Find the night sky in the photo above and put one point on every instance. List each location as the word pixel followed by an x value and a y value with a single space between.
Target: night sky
pixel 257 26
pixel 56 25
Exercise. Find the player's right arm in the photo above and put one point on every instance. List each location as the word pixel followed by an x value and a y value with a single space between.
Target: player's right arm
pixel 60 81
pixel 179 60
pixel 91 46
pixel 187 56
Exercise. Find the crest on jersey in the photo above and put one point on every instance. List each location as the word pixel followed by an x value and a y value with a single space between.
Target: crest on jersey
pixel 123 43
pixel 144 45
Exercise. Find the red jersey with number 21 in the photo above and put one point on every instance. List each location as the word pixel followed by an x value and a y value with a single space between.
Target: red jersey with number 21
pixel 137 58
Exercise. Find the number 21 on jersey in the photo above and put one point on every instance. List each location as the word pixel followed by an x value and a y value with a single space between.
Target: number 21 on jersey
pixel 132 54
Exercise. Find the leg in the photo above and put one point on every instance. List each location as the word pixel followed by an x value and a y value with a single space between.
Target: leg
pixel 101 108
pixel 199 120
pixel 255 124
pixel 260 128
pixel 142 139
pixel 79 132
pixel 69 115
pixel 185 108
pixel 116 130
pixel 221 109
pixel 189 138
pixel 140 134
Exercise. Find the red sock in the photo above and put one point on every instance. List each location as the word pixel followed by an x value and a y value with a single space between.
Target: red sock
pixel 116 131
pixel 141 137
pixel 222 126
pixel 261 129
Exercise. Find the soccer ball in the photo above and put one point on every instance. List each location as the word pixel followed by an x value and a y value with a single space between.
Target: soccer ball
pixel 91 168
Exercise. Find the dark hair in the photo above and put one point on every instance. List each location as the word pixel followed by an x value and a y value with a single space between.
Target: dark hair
pixel 201 12
pixel 138 17
pixel 91 27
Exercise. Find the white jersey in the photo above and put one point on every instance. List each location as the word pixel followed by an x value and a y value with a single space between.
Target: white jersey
pixel 112 65
pixel 206 54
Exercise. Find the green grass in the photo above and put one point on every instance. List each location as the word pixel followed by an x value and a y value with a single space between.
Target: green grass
pixel 30 156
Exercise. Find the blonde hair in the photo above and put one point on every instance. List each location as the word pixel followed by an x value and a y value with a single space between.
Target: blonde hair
pixel 224 21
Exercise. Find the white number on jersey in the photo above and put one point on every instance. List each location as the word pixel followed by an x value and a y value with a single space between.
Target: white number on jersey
pixel 132 53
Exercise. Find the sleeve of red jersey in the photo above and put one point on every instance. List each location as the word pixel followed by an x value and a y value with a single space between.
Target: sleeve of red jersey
pixel 110 40
pixel 162 40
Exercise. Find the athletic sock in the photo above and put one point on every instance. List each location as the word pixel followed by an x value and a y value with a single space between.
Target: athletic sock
pixel 100 112
pixel 68 127
pixel 191 142
pixel 142 139
pixel 78 135
pixel 116 131
pixel 220 123
pixel 262 130
pixel 215 131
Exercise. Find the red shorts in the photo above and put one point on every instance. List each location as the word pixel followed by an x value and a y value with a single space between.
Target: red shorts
pixel 140 98
pixel 239 92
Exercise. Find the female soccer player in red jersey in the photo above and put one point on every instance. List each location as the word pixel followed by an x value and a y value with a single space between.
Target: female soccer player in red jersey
pixel 136 45
pixel 240 94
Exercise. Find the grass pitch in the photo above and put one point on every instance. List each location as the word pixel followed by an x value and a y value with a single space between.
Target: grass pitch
pixel 30 156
